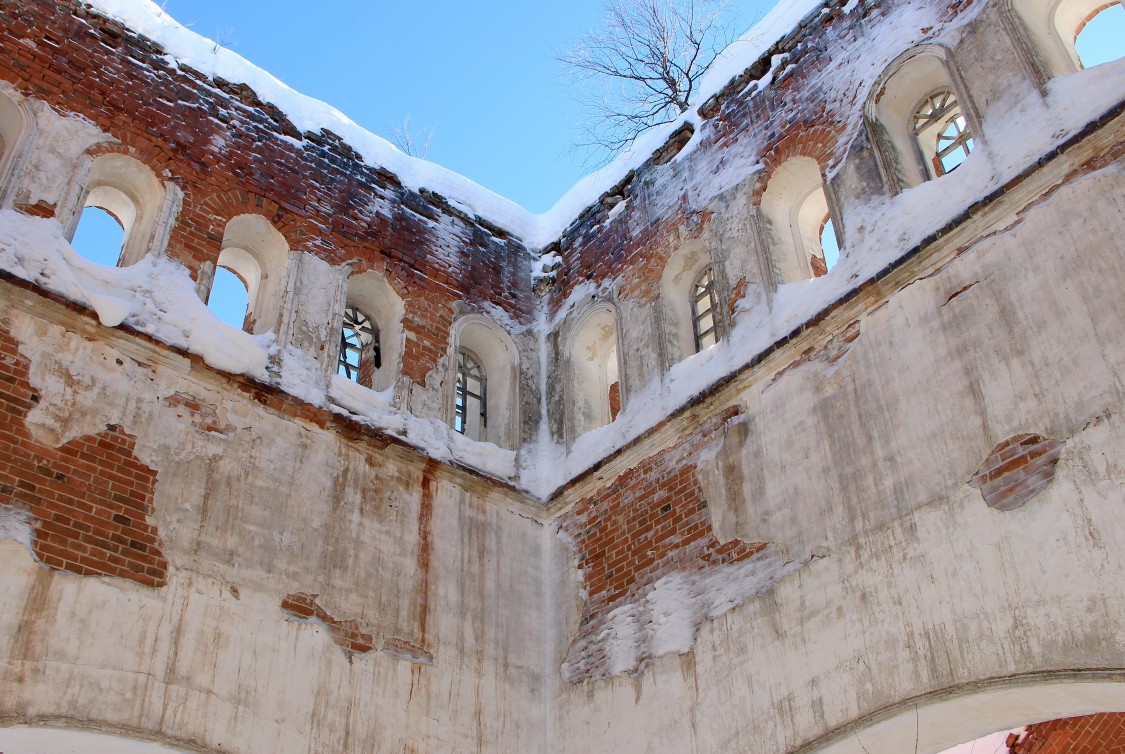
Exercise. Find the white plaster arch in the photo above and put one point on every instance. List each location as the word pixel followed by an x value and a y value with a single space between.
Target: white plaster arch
pixel 1052 27
pixel 593 367
pixel 43 740
pixel 676 283
pixel 128 189
pixel 946 719
pixel 17 134
pixel 891 105
pixel 497 354
pixel 373 295
pixel 794 206
pixel 255 251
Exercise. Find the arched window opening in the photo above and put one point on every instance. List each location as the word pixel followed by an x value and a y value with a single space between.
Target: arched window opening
pixel 691 303
pixel 470 411
pixel 794 205
pixel 360 355
pixel 1101 39
pixel 371 332
pixel 1069 35
pixel 129 191
pixel 257 254
pixel 703 308
pixel 829 244
pixel 229 299
pixel 485 401
pixel 941 130
pixel 921 117
pixel 594 394
pixel 99 237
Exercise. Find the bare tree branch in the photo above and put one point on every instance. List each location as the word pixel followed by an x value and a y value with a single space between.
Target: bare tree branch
pixel 641 67
pixel 411 141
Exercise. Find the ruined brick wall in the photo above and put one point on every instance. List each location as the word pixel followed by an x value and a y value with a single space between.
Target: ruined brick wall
pixel 1092 734
pixel 836 520
pixel 233 154
pixel 795 115
pixel 647 524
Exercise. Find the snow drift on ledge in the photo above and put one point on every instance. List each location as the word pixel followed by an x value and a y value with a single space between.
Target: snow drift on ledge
pixel 157 296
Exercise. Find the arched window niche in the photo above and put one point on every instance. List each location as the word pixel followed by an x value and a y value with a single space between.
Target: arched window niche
pixel 1053 28
pixel 690 302
pixel 371 332
pixel 921 117
pixel 483 399
pixel 17 126
pixel 254 251
pixel 794 207
pixel 128 191
pixel 594 396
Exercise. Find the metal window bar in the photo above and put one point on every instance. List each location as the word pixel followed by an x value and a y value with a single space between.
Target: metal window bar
pixel 357 334
pixel 469 392
pixel 703 307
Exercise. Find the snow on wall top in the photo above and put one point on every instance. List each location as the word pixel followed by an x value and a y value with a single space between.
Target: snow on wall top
pixel 536 230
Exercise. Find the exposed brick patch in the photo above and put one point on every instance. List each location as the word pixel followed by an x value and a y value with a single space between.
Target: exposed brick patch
pixel 39 209
pixel 401 649
pixel 1090 734
pixel 90 499
pixel 650 522
pixel 1017 470
pixel 201 415
pixel 348 634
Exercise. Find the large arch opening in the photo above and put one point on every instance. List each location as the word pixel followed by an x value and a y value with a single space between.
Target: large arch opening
pixel 66 741
pixel 942 721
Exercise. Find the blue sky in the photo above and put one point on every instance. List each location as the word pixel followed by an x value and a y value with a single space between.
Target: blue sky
pixel 482 75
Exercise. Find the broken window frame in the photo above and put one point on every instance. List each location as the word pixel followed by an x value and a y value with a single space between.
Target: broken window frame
pixel 470 372
pixel 703 306
pixel 359 339
pixel 940 114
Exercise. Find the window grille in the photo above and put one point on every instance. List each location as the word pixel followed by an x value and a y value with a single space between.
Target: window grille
pixel 703 308
pixel 359 340
pixel 942 131
pixel 469 395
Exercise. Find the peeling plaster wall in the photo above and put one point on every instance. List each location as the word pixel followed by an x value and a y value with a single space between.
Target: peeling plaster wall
pixel 857 457
pixel 252 506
